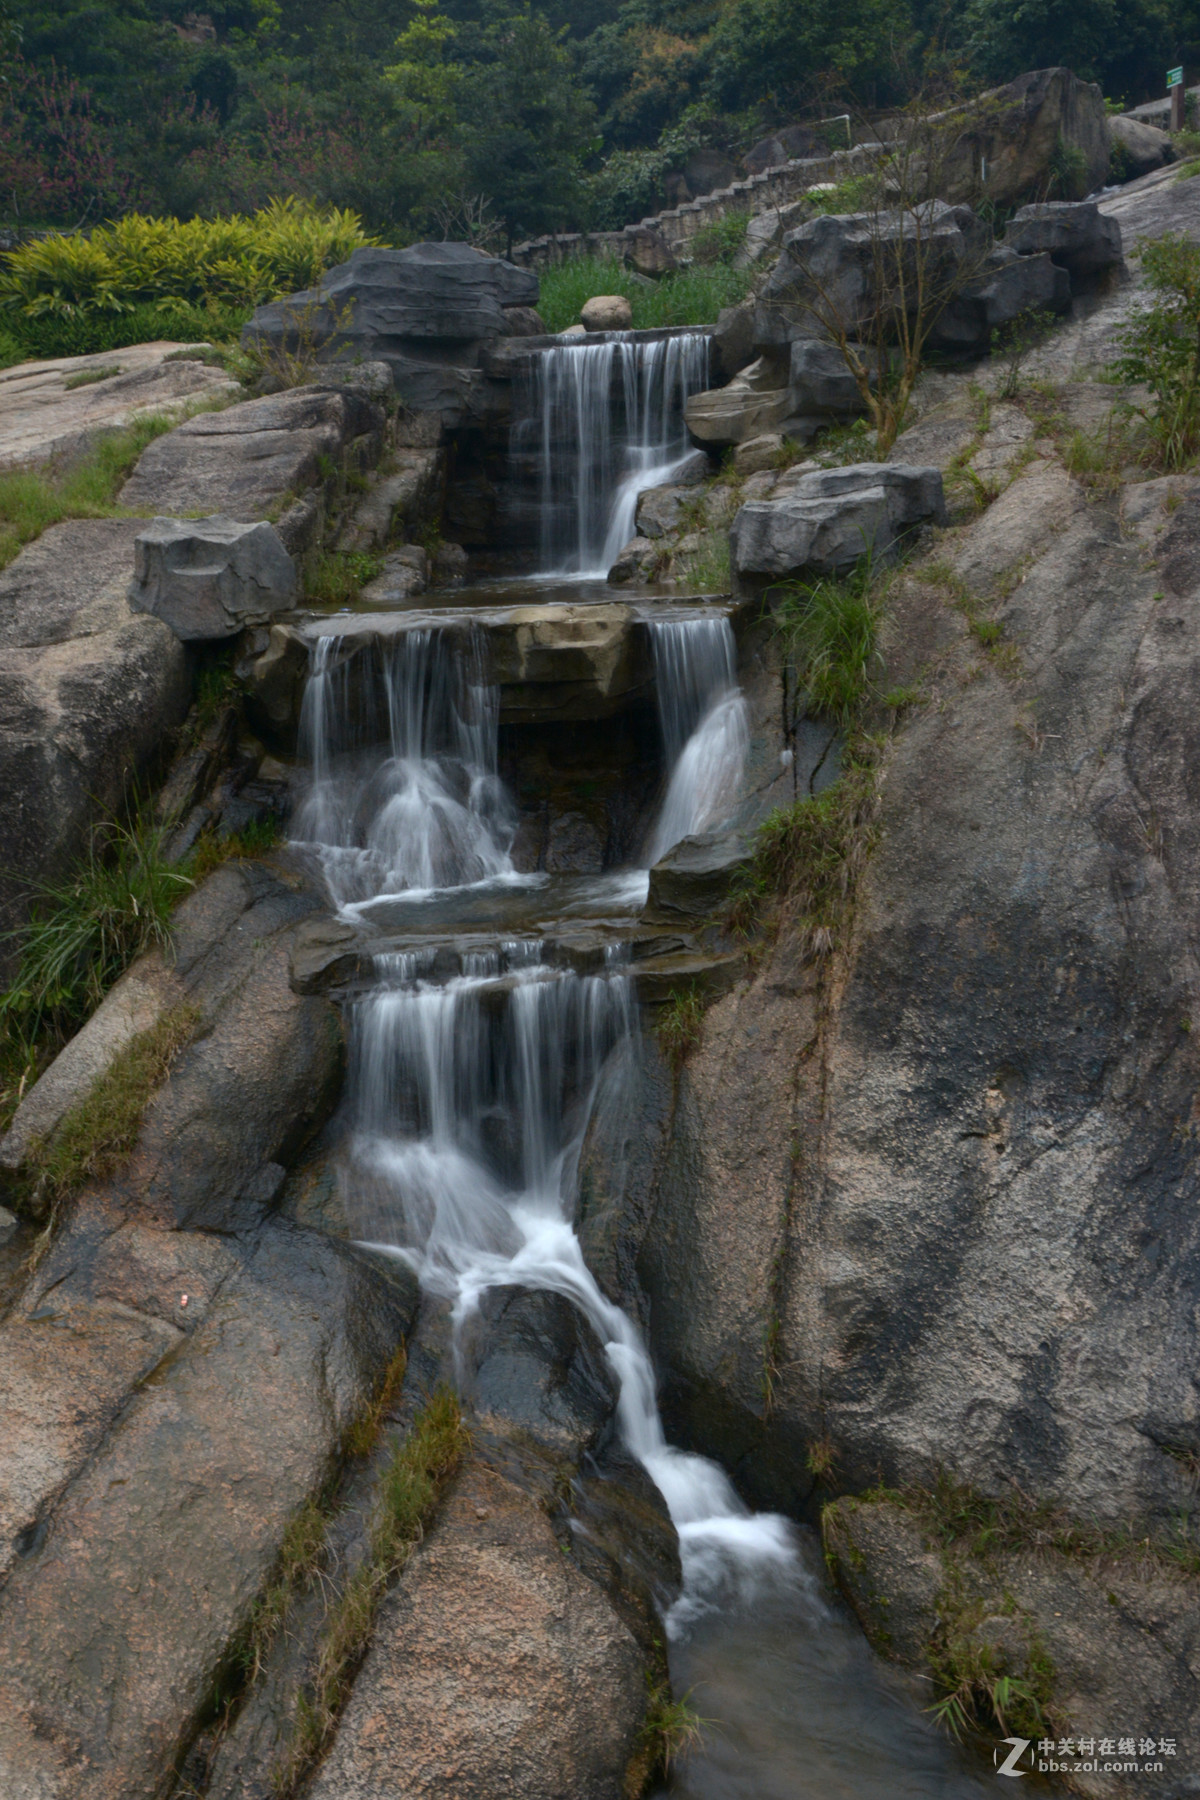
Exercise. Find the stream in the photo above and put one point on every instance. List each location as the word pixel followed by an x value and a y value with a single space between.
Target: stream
pixel 477 1048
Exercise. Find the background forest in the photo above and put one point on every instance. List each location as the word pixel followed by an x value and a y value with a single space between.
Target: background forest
pixel 445 117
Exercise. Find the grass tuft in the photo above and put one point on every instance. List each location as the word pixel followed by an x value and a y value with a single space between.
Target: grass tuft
pixel 33 500
pixel 99 1132
pixel 337 577
pixel 680 1025
pixel 670 1729
pixel 84 932
pixel 831 630
pixel 707 570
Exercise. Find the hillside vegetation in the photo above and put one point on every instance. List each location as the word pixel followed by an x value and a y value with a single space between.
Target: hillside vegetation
pixel 487 118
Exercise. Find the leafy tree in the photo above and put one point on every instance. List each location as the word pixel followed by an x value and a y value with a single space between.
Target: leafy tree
pixel 526 122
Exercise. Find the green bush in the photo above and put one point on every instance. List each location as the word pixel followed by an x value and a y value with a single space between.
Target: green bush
pixel 831 630
pixel 1161 347
pixel 91 333
pixel 175 265
pixel 690 297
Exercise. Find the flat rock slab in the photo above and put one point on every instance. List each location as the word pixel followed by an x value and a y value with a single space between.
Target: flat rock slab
pixel 42 415
pixel 87 693
pixel 497 1669
pixel 111 1629
pixel 247 461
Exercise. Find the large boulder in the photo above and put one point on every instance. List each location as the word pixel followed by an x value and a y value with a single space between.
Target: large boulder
pixel 606 312
pixel 1046 131
pixel 1138 148
pixel 497 1667
pixel 844 267
pixel 208 578
pixel 821 381
pixel 832 517
pixel 425 311
pixel 1076 236
pixel 1008 287
pixel 88 693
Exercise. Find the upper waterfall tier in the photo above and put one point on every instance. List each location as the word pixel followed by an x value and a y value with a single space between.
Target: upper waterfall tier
pixel 600 422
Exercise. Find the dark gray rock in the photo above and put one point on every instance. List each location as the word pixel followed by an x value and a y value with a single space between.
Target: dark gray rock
pixel 1007 287
pixel 383 296
pixel 768 153
pixel 540 1366
pixel 734 340
pixel 208 578
pixel 832 517
pixel 833 266
pixel 1141 148
pixel 1075 234
pixel 88 696
pixel 821 381
pixel 693 880
pixel 425 311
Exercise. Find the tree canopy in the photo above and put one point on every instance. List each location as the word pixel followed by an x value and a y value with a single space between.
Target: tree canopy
pixel 431 115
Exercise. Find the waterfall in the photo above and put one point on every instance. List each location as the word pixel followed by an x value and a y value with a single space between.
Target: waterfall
pixel 470 1119
pixel 604 420
pixel 430 812
pixel 471 1096
pixel 705 733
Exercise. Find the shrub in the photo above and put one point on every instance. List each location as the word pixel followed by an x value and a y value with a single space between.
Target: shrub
pixel 91 333
pixel 720 241
pixel 1161 347
pixel 233 262
pixel 692 296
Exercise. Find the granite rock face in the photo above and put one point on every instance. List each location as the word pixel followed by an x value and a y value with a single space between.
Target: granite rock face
pixel 209 578
pixel 497 1668
pixel 252 460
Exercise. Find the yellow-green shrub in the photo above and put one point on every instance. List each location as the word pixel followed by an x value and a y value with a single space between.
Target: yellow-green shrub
pixel 237 261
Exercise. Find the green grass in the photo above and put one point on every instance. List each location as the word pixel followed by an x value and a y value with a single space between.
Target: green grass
pixel 809 855
pixel 680 1026
pixel 43 338
pixel 670 1729
pixel 99 1132
pixel 33 500
pixel 252 840
pixel 692 296
pixel 707 570
pixel 89 377
pixel 337 577
pixel 85 931
pixel 720 241
pixel 831 630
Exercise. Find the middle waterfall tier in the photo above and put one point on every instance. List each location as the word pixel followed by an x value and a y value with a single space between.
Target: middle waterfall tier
pixel 598 423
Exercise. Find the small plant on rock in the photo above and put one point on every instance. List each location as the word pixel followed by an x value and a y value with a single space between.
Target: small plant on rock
pixel 681 1025
pixel 1161 348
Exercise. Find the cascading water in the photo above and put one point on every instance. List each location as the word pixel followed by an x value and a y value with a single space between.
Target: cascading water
pixel 603 421
pixel 432 814
pixel 702 715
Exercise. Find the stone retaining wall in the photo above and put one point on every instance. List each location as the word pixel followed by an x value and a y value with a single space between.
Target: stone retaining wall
pixel 679 224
